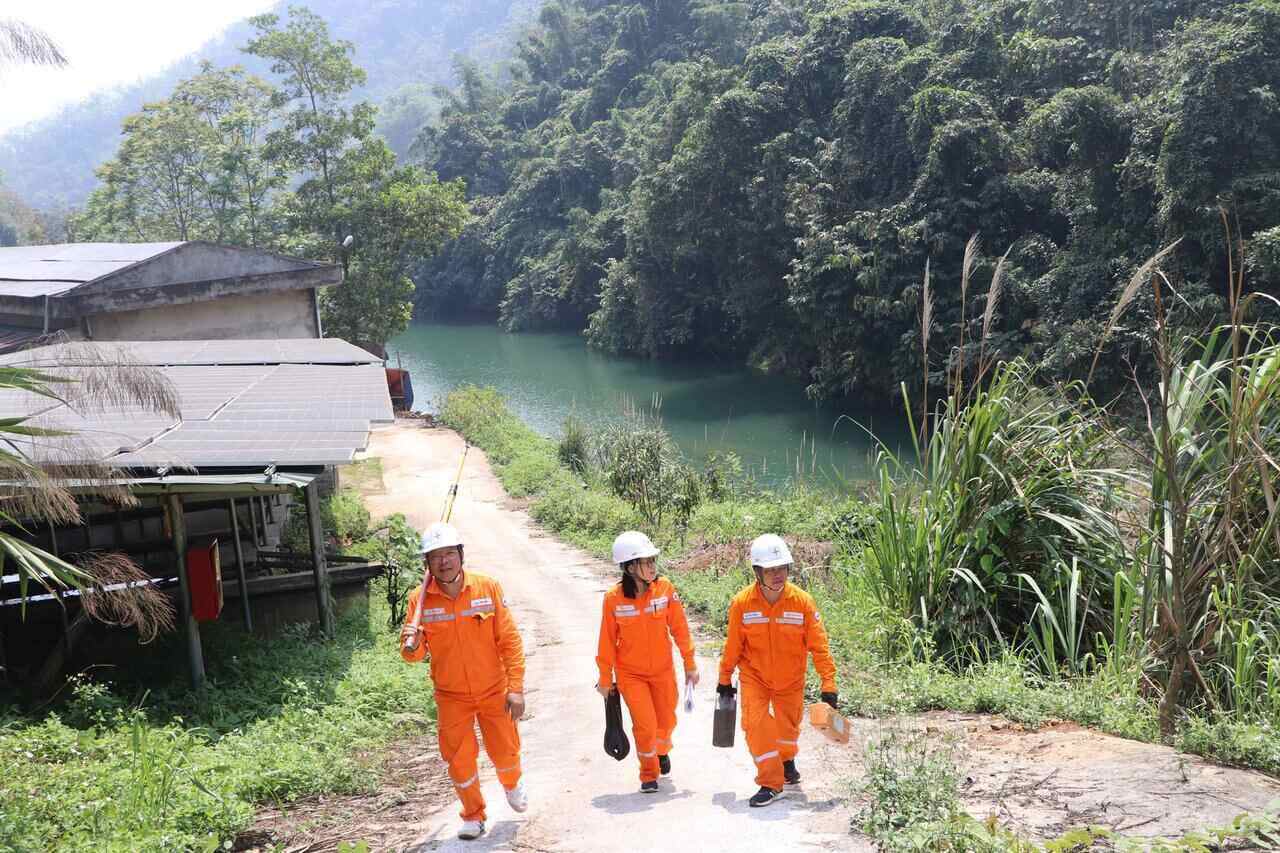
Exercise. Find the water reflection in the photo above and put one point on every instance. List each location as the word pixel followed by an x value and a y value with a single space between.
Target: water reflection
pixel 767 421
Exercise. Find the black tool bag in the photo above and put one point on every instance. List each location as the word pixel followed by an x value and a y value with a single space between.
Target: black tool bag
pixel 615 739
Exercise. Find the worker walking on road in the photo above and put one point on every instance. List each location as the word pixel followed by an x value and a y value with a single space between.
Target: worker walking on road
pixel 641 616
pixel 461 620
pixel 773 627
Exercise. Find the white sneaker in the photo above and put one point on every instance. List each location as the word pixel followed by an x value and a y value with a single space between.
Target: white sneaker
pixel 518 799
pixel 471 830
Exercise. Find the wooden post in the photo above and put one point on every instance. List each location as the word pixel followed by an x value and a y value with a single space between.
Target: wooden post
pixel 178 530
pixel 262 509
pixel 240 568
pixel 323 604
pixel 259 535
pixel 62 599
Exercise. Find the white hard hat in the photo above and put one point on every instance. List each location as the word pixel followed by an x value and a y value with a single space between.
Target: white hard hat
pixel 769 551
pixel 440 535
pixel 632 545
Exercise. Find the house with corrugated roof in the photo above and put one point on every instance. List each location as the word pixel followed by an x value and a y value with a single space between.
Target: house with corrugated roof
pixel 268 409
pixel 259 424
pixel 157 291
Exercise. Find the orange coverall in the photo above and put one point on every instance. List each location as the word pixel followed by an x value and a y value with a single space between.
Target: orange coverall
pixel 476 660
pixel 768 644
pixel 635 643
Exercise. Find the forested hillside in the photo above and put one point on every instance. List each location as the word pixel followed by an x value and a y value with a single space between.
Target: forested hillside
pixel 766 181
pixel 406 46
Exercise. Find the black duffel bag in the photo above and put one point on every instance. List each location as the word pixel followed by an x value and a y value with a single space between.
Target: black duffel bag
pixel 615 739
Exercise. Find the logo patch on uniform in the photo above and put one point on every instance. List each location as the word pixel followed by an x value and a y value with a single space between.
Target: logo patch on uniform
pixel 754 617
pixel 657 604
pixel 791 617
pixel 623 610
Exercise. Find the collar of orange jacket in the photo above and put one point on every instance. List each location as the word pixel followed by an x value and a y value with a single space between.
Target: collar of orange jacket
pixel 434 588
pixel 788 590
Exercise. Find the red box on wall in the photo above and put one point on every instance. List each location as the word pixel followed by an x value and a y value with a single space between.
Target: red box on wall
pixel 204 570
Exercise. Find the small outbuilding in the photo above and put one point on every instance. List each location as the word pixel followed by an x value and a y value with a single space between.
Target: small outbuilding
pixel 261 423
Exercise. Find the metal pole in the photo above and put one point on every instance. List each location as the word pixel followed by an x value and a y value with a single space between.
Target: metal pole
pixel 178 530
pixel 244 583
pixel 323 605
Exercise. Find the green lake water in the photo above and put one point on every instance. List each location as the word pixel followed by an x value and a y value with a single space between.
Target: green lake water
pixel 767 421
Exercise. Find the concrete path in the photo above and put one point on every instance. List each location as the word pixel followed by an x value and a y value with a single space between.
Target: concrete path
pixel 580 798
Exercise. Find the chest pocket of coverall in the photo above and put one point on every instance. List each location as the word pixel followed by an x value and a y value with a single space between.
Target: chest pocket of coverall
pixel 656 610
pixel 440 629
pixel 790 633
pixel 631 624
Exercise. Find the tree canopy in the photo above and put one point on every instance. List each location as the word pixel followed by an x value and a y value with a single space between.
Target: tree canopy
pixel 290 165
pixel 765 181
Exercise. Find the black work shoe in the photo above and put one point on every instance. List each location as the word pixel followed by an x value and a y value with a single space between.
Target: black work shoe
pixel 649 787
pixel 765 796
pixel 664 764
pixel 790 773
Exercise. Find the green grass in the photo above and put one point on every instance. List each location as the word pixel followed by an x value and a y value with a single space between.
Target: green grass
pixel 144 765
pixel 885 665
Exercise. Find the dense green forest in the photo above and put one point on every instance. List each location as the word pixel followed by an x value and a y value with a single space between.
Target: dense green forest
pixel 405 46
pixel 766 181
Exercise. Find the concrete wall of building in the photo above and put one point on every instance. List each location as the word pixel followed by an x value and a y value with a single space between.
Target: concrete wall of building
pixel 281 314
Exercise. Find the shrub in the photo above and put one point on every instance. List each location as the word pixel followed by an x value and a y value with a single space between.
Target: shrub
pixel 343 518
pixel 1004 529
pixel 574 448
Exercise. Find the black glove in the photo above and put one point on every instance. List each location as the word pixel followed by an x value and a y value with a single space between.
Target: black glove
pixel 832 700
pixel 726 690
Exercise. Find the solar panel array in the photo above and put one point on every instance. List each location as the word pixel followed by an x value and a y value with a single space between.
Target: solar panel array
pixel 243 404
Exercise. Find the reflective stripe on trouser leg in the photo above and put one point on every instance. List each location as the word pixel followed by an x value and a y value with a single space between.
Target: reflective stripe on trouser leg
pixel 666 695
pixel 788 713
pixel 456 720
pixel 638 694
pixel 762 734
pixel 501 738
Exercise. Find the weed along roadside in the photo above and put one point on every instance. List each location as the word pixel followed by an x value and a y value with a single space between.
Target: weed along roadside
pixel 890 662
pixel 129 762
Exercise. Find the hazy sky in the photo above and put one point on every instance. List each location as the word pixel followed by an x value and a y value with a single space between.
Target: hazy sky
pixel 107 42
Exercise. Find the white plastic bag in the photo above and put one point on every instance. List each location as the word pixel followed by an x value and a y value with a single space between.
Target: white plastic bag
pixel 688 695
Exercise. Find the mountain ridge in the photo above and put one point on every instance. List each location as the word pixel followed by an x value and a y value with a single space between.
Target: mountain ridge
pixel 407 47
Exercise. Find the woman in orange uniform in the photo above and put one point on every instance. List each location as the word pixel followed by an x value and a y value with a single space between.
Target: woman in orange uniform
pixel 641 616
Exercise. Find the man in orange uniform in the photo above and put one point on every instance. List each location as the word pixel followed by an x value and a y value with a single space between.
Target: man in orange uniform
pixel 641 616
pixel 773 627
pixel 477 666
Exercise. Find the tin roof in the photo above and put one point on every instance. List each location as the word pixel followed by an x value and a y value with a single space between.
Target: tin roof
pixel 48 270
pixel 243 403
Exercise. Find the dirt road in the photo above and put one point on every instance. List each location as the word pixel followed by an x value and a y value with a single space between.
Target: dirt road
pixel 1039 782
pixel 580 799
